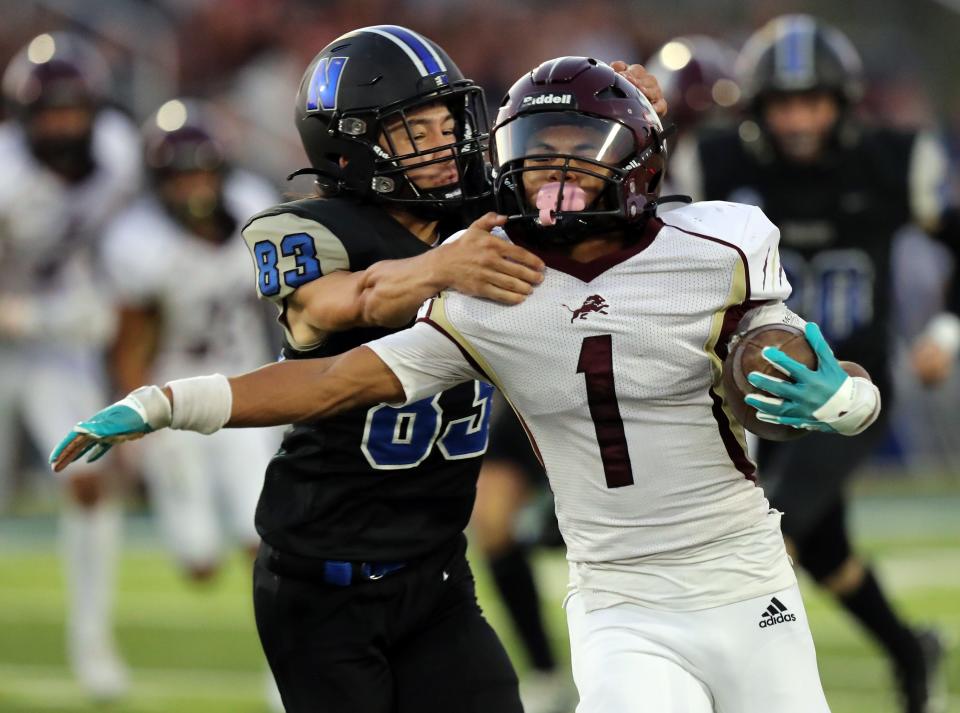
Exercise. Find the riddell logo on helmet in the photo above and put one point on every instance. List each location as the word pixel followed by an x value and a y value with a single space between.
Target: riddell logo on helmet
pixel 550 99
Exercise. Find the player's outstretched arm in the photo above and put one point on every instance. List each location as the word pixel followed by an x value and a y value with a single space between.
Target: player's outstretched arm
pixel 389 292
pixel 825 399
pixel 277 394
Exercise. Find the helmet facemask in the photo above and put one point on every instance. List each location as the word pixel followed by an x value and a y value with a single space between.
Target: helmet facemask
pixel 401 169
pixel 384 157
pixel 563 175
pixel 61 137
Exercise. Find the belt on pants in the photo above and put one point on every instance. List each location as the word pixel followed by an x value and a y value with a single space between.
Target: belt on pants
pixel 343 574
pixel 339 573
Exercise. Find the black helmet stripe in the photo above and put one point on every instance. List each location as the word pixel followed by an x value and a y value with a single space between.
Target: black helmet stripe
pixel 421 53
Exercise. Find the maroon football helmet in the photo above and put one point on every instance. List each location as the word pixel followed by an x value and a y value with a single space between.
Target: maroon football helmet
pixel 56 74
pixel 55 69
pixel 696 74
pixel 185 161
pixel 179 137
pixel 571 123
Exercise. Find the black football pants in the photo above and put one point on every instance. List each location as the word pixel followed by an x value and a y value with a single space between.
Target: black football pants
pixel 414 641
pixel 806 478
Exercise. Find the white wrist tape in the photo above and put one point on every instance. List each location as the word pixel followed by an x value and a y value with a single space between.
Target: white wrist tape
pixel 201 404
pixel 152 406
pixel 855 406
pixel 770 313
pixel 944 331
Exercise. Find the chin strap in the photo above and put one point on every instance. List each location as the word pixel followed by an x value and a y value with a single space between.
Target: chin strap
pixel 678 198
pixel 307 172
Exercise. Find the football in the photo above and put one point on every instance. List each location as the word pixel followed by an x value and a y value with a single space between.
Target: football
pixel 745 356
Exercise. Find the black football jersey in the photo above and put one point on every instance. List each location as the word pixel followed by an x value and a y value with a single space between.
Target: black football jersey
pixel 837 221
pixel 376 484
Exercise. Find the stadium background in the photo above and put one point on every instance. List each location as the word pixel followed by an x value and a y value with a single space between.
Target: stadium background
pixel 195 649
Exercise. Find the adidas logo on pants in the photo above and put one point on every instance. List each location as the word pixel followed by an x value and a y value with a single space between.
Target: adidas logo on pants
pixel 776 613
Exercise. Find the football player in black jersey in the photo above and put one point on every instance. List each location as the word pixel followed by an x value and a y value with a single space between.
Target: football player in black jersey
pixel 839 191
pixel 395 135
pixel 363 597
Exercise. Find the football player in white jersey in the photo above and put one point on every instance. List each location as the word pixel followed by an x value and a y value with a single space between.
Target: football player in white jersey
pixel 70 163
pixel 682 597
pixel 180 272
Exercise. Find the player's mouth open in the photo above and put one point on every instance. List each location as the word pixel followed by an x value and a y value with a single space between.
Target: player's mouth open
pixel 445 177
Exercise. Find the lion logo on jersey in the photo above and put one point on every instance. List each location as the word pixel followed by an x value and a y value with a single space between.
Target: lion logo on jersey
pixel 593 303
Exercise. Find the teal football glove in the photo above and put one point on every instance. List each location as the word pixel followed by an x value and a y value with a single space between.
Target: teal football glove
pixel 140 412
pixel 823 399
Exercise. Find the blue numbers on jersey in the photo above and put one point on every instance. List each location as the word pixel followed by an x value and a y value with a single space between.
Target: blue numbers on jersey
pixel 833 289
pixel 268 276
pixel 300 245
pixel 397 438
pixel 401 437
pixel 467 437
pixel 296 245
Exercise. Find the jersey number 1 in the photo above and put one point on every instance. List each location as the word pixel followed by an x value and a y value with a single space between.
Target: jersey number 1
pixel 596 364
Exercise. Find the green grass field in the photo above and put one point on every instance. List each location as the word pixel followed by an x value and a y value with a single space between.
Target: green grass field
pixel 195 650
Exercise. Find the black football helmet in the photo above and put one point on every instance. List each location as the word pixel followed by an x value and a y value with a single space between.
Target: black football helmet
pixel 798 53
pixel 180 138
pixel 626 152
pixel 54 71
pixel 375 77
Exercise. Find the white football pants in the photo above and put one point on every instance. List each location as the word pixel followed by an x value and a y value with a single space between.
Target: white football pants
pixel 754 656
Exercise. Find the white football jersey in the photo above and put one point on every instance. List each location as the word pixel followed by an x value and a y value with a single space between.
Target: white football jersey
pixel 211 319
pixel 49 229
pixel 614 368
pixel 45 220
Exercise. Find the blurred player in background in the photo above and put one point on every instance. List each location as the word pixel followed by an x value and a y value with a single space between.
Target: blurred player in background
pixel 70 162
pixel 682 596
pixel 180 273
pixel 696 74
pixel 179 268
pixel 839 190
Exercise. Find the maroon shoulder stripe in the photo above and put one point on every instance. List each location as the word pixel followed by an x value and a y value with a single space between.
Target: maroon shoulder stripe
pixel 473 362
pixel 743 257
pixel 731 318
